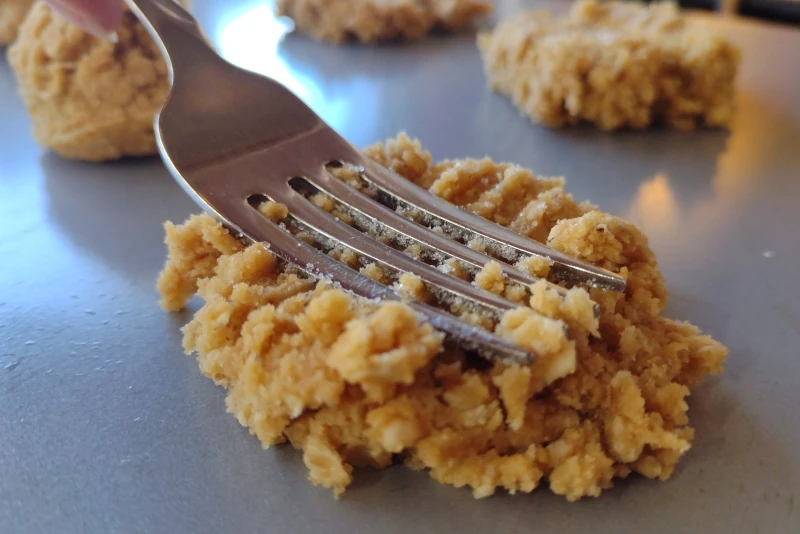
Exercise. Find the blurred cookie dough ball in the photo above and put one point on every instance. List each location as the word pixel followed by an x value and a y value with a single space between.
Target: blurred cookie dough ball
pixel 370 21
pixel 11 14
pixel 89 99
pixel 615 65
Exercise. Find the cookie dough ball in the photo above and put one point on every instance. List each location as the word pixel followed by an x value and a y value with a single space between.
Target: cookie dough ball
pixel 11 14
pixel 356 383
pixel 370 21
pixel 613 64
pixel 89 99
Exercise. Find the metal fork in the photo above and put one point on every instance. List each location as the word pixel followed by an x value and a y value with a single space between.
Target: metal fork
pixel 229 136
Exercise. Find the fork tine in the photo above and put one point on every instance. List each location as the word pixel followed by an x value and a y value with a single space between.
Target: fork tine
pixel 223 158
pixel 256 227
pixel 372 210
pixel 335 230
pixel 498 238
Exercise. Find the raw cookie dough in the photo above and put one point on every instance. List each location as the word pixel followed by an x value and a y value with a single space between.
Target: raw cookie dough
pixel 11 14
pixel 354 384
pixel 614 64
pixel 369 21
pixel 89 99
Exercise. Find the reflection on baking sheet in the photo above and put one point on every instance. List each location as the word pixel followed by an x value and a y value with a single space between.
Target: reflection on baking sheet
pixel 654 206
pixel 251 40
pixel 755 143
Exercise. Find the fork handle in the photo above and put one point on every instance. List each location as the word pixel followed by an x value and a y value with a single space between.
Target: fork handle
pixel 175 31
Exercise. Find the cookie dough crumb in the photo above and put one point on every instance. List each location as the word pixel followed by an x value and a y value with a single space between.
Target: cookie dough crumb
pixel 371 21
pixel 89 99
pixel 355 383
pixel 12 12
pixel 613 64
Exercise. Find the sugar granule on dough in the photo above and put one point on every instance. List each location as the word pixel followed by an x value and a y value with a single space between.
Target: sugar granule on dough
pixel 371 21
pixel 614 64
pixel 89 99
pixel 354 383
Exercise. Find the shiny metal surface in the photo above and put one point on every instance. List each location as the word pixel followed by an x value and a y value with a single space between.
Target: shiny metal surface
pixel 107 427
pixel 248 135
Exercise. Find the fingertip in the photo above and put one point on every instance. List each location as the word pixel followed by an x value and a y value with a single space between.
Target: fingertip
pixel 110 13
pixel 98 17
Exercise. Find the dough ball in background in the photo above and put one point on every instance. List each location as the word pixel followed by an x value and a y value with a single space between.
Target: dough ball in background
pixel 372 21
pixel 12 12
pixel 615 65
pixel 89 99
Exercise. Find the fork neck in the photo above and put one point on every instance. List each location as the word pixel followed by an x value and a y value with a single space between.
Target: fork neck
pixel 175 31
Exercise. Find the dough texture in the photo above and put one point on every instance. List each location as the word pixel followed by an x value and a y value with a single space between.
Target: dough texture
pixel 353 383
pixel 89 99
pixel 615 65
pixel 371 21
pixel 12 12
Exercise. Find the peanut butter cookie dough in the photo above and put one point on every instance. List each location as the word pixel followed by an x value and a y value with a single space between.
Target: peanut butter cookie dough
pixel 89 99
pixel 613 64
pixel 370 21
pixel 352 383
pixel 12 12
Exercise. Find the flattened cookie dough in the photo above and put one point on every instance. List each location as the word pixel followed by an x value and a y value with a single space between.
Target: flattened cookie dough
pixel 89 99
pixel 12 12
pixel 370 21
pixel 613 64
pixel 352 383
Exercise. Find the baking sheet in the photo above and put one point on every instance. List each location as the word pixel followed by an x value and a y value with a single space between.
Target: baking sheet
pixel 107 427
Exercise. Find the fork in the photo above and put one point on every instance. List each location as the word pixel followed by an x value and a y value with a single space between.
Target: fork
pixel 232 138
